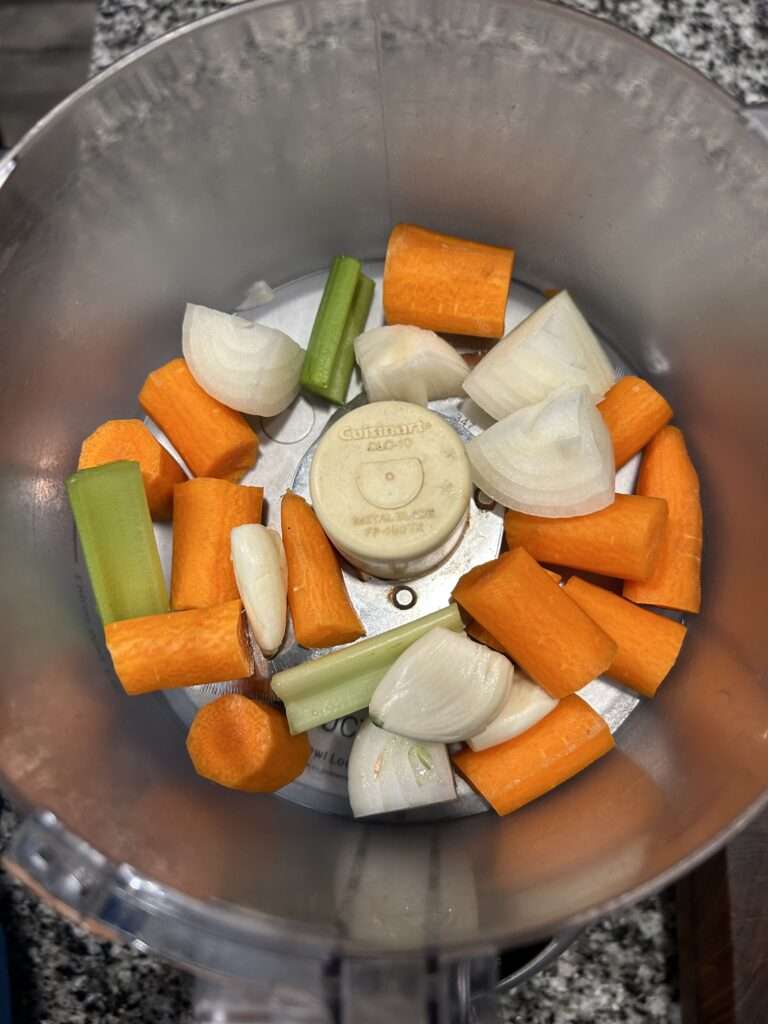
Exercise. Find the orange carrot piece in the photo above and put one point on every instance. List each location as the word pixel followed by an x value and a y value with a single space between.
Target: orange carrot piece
pixel 204 514
pixel 481 634
pixel 667 472
pixel 649 644
pixel 623 540
pixel 161 652
pixel 633 412
pixel 322 613
pixel 212 439
pixel 563 743
pixel 245 745
pixel 538 625
pixel 446 284
pixel 130 440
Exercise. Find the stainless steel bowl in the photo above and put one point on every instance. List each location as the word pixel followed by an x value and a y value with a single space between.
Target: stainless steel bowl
pixel 260 143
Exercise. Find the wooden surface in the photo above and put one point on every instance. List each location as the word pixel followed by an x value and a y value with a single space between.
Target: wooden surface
pixel 723 934
pixel 45 51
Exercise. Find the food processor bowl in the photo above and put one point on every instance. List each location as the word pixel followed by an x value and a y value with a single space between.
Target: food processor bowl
pixel 260 143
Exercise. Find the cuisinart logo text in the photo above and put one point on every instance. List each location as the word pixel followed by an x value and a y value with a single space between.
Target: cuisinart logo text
pixel 371 433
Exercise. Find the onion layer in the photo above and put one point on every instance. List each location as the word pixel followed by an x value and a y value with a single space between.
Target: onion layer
pixel 391 773
pixel 526 705
pixel 554 458
pixel 553 348
pixel 445 687
pixel 408 364
pixel 246 366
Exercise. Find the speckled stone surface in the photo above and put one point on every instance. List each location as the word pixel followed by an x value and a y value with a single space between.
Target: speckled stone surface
pixel 619 971
pixel 622 970
pixel 725 39
pixel 62 975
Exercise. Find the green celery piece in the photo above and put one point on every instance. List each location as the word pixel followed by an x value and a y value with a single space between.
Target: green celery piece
pixel 341 698
pixel 115 529
pixel 345 356
pixel 328 327
pixel 342 682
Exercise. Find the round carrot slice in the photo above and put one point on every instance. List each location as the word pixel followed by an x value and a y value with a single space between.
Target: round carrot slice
pixel 245 745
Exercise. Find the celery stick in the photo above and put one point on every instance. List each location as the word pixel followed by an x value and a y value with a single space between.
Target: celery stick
pixel 340 698
pixel 345 357
pixel 112 517
pixel 342 682
pixel 329 324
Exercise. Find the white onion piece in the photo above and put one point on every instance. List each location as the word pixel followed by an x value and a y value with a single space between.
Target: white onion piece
pixel 553 348
pixel 392 773
pixel 554 458
pixel 247 366
pixel 445 687
pixel 259 294
pixel 261 574
pixel 526 705
pixel 408 364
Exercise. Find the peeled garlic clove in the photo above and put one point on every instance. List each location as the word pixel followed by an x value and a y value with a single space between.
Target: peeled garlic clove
pixel 261 574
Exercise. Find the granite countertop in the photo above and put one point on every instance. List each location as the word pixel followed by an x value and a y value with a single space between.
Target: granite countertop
pixel 725 39
pixel 619 971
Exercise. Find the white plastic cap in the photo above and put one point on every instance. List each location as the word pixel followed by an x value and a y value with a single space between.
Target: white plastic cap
pixel 390 485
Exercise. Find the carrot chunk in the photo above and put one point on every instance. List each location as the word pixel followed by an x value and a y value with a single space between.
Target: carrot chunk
pixel 130 440
pixel 322 613
pixel 633 412
pixel 446 284
pixel 538 625
pixel 162 652
pixel 624 539
pixel 667 472
pixel 245 745
pixel 212 439
pixel 562 744
pixel 204 515
pixel 649 644
pixel 481 634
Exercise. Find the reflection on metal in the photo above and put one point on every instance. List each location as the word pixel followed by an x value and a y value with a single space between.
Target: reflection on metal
pixel 757 117
pixel 403 597
pixel 7 167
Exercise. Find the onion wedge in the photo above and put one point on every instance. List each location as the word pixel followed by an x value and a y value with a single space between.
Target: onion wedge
pixel 261 574
pixel 392 773
pixel 554 458
pixel 526 705
pixel 444 688
pixel 244 365
pixel 553 348
pixel 408 364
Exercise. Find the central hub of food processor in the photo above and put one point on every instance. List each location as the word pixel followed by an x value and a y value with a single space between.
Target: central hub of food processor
pixel 390 484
